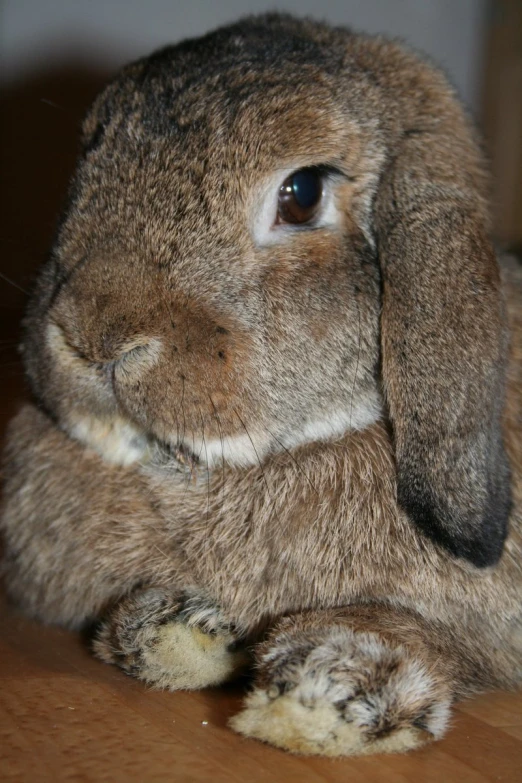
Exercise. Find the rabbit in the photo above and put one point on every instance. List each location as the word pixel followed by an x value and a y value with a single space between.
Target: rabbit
pixel 276 368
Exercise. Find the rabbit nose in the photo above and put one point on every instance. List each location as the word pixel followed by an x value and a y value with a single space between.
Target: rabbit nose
pixel 135 356
pixel 130 355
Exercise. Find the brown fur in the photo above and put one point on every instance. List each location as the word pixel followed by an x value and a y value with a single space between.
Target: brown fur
pixel 343 527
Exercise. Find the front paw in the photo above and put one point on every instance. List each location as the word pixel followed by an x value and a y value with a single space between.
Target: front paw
pixel 336 692
pixel 175 642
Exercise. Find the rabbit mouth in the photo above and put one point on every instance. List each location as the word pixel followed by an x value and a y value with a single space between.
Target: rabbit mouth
pixel 144 399
pixel 254 444
pixel 179 457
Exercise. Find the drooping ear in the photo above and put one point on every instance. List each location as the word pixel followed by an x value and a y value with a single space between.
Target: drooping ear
pixel 443 333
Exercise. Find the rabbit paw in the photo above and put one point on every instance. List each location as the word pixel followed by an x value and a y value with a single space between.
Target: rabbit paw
pixel 337 693
pixel 174 642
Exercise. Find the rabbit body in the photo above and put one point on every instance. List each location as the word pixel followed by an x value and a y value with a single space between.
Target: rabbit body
pixel 301 440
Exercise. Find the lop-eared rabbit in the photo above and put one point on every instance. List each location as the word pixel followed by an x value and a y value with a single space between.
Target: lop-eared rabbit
pixel 276 369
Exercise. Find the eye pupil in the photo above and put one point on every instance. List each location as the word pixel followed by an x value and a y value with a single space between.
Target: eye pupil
pixel 300 196
pixel 306 187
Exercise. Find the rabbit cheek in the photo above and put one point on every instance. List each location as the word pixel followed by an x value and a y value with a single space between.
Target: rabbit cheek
pixel 87 411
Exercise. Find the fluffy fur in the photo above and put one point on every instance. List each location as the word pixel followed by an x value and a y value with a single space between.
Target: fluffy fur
pixel 181 642
pixel 302 441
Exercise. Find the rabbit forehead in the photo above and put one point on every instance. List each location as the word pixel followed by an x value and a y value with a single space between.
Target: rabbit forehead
pixel 271 124
pixel 251 87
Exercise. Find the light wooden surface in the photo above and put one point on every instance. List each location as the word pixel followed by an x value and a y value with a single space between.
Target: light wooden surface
pixel 66 717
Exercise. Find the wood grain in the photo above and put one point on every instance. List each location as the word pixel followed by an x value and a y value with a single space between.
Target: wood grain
pixel 67 717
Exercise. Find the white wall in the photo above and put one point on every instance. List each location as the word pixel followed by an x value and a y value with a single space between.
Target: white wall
pixel 107 33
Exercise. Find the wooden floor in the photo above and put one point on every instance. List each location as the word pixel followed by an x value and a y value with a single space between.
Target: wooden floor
pixel 66 717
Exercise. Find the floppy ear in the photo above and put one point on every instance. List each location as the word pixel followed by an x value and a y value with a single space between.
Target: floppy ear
pixel 443 333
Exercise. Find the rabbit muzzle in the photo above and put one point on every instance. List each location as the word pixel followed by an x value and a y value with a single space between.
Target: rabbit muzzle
pixel 172 369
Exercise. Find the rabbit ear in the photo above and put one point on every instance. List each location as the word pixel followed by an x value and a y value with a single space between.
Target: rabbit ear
pixel 444 341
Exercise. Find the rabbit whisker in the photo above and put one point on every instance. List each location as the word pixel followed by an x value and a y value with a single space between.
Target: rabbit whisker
pixel 216 414
pixel 162 294
pixel 12 282
pixel 53 104
pixel 255 452
pixel 357 362
pixel 294 460
pixel 182 406
pixel 204 442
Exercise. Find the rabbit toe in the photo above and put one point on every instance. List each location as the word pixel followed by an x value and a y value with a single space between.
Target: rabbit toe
pixel 347 694
pixel 177 643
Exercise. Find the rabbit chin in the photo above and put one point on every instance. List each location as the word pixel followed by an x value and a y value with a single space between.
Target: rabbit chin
pixel 246 450
pixel 120 442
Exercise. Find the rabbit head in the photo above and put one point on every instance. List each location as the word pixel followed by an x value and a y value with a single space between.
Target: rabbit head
pixel 276 233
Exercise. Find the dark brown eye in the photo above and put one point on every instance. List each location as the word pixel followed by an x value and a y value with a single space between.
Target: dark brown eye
pixel 300 196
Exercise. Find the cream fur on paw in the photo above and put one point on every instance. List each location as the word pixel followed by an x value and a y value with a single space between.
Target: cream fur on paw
pixel 181 657
pixel 179 643
pixel 348 694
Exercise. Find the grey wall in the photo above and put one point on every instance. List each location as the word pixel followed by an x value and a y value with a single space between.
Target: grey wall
pixel 106 33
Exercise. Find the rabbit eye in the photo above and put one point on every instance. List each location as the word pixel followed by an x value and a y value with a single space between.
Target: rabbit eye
pixel 300 196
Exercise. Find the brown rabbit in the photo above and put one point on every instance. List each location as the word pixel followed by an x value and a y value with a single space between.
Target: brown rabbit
pixel 272 366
